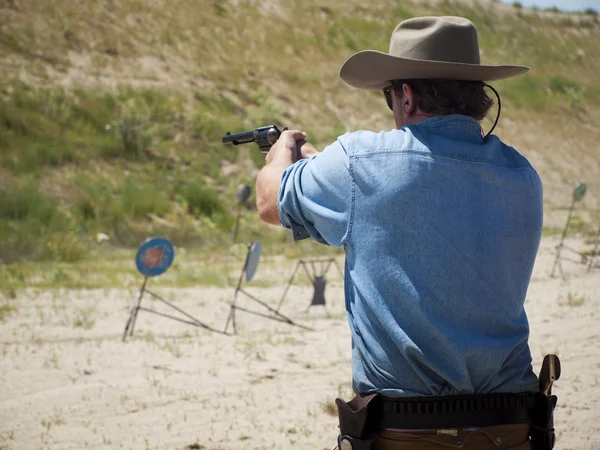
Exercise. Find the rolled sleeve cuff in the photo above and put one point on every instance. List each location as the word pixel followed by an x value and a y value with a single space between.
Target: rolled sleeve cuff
pixel 288 205
pixel 298 231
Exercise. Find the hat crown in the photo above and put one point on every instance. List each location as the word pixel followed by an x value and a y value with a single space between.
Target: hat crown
pixel 447 39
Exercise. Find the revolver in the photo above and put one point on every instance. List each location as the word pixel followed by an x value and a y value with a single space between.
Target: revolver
pixel 264 137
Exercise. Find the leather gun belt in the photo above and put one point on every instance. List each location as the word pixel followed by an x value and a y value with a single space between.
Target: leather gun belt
pixel 455 411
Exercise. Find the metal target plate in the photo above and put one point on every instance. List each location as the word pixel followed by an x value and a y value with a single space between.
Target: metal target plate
pixel 243 193
pixel 579 192
pixel 319 285
pixel 154 256
pixel 253 259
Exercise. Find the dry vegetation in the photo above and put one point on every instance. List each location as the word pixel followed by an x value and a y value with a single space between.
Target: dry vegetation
pixel 113 111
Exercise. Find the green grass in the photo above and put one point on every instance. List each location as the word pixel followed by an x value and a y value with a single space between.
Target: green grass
pixel 125 174
pixel 43 128
pixel 197 264
pixel 120 166
pixel 140 153
pixel 32 226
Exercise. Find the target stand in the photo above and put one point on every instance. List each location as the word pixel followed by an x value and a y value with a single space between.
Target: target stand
pixel 316 270
pixel 153 258
pixel 578 194
pixel 248 271
pixel 242 195
pixel 593 263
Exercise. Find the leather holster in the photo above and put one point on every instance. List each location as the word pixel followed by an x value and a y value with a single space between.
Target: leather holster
pixel 357 422
pixel 542 422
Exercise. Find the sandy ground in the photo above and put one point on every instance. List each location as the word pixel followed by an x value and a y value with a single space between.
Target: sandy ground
pixel 68 382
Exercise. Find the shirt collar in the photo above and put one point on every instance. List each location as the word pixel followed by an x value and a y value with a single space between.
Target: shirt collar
pixel 452 120
pixel 453 125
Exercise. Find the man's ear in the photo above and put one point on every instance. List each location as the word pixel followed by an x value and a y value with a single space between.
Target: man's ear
pixel 409 105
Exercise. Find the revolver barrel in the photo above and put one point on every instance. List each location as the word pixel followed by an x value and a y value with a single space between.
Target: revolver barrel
pixel 264 137
pixel 244 137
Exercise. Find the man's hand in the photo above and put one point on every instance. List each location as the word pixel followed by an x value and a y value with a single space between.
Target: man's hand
pixel 306 150
pixel 289 148
pixel 285 151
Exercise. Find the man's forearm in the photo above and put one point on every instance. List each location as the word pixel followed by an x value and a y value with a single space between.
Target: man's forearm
pixel 267 191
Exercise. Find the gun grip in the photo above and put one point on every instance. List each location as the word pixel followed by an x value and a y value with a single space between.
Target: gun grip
pixel 549 373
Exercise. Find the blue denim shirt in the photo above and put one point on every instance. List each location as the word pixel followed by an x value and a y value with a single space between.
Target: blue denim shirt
pixel 440 228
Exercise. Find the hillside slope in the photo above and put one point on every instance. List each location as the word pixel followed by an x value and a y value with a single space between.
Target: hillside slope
pixel 113 111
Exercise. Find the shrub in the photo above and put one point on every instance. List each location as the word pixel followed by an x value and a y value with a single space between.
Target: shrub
pixel 140 198
pixel 201 201
pixel 109 202
pixel 132 130
pixel 213 117
pixel 23 200
pixel 562 85
pixel 33 227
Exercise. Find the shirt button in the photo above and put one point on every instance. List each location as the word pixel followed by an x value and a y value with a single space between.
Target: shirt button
pixel 299 233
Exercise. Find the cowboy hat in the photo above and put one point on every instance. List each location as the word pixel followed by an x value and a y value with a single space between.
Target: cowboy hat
pixel 425 48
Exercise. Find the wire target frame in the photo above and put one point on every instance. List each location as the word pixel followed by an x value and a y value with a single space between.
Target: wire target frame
pixel 316 270
pixel 154 257
pixel 592 263
pixel 578 195
pixel 248 272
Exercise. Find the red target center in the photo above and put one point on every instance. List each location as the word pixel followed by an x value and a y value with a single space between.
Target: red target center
pixel 153 257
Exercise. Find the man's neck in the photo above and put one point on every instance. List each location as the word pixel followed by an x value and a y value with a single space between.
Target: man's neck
pixel 416 118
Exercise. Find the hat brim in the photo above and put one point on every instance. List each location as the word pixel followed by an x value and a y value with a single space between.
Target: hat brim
pixel 373 70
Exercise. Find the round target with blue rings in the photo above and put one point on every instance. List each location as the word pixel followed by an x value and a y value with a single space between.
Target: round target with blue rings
pixel 154 256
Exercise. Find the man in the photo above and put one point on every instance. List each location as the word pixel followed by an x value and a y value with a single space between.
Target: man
pixel 440 225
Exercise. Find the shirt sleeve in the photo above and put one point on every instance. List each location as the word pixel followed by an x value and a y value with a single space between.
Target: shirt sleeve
pixel 316 196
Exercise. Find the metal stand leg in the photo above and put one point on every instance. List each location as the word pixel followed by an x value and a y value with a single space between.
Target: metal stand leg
pixel 231 316
pixel 339 269
pixel 278 316
pixel 237 224
pixel 596 245
pixel 130 325
pixel 558 263
pixel 289 284
pixel 560 246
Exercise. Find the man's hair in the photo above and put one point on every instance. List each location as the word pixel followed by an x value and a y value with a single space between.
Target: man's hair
pixel 445 97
